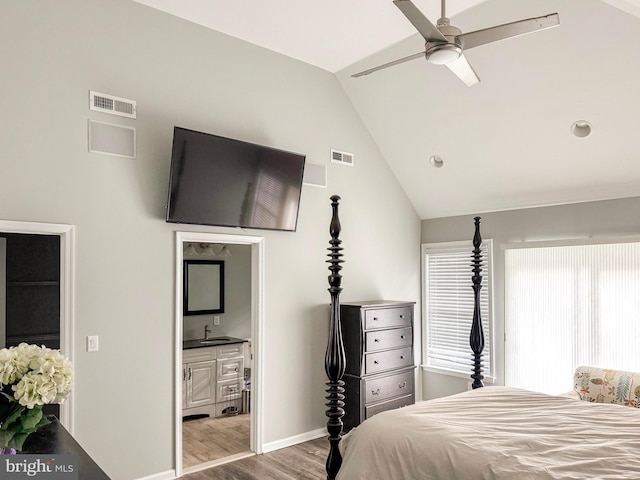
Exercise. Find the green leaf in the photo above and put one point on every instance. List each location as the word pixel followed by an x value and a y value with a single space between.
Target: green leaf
pixel 6 437
pixel 18 440
pixel 31 418
pixel 597 381
pixel 13 417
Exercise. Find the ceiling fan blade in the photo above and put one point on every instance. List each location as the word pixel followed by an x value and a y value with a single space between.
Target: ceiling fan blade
pixel 427 29
pixel 508 30
pixel 464 71
pixel 390 64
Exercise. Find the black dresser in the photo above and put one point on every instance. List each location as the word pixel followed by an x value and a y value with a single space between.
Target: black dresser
pixel 378 342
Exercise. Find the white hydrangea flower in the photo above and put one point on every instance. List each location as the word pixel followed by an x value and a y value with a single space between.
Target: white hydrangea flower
pixel 37 375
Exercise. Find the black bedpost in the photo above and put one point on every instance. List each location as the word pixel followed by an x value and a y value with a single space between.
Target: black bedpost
pixel 476 339
pixel 334 360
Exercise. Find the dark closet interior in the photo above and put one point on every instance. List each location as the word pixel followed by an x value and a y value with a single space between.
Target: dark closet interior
pixel 33 289
pixel 32 293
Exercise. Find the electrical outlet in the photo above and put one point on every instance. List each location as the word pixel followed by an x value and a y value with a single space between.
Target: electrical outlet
pixel 92 343
pixel 216 320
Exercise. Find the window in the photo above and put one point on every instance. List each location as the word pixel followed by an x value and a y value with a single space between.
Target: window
pixel 448 304
pixel 567 306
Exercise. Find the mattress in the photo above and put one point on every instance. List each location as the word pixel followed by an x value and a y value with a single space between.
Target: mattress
pixel 497 433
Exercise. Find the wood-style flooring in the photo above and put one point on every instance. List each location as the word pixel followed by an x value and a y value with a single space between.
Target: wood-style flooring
pixel 305 461
pixel 208 439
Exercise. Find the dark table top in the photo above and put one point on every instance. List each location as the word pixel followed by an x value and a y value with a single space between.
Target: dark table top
pixel 55 439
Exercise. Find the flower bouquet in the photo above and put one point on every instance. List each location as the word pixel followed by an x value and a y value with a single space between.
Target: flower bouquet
pixel 30 377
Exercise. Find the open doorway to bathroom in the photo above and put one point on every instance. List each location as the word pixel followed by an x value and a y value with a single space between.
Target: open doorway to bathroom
pixel 217 352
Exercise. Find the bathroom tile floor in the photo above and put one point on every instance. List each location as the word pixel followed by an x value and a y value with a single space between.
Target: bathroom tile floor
pixel 208 439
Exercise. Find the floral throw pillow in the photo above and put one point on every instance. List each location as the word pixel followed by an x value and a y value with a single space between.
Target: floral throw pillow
pixel 607 386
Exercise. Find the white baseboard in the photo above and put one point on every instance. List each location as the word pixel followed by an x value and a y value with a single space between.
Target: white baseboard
pixel 166 475
pixel 267 447
pixel 296 439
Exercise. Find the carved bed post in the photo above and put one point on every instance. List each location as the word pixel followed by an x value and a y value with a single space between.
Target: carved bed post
pixel 476 339
pixel 334 360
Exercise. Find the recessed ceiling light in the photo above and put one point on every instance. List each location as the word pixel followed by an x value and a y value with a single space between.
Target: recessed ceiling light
pixel 436 161
pixel 581 128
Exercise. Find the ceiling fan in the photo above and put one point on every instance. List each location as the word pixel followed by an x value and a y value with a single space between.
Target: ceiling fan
pixel 445 43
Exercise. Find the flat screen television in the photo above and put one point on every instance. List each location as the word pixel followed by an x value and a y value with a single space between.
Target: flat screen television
pixel 225 182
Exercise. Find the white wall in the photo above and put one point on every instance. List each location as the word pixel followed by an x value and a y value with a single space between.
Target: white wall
pixel 611 218
pixel 52 54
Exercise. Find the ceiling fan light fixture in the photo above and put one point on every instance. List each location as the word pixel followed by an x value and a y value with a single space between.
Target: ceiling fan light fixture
pixel 443 54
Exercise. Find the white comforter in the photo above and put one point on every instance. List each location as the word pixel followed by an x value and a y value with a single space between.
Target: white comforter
pixel 496 433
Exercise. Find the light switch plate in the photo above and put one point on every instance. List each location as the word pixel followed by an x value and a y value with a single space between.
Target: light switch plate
pixel 92 343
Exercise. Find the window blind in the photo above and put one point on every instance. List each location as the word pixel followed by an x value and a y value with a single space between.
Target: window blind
pixel 449 306
pixel 569 306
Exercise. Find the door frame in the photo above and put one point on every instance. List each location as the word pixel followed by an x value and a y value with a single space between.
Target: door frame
pixel 67 289
pixel 257 322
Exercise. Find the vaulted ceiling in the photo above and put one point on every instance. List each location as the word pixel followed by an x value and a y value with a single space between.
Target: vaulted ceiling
pixel 505 142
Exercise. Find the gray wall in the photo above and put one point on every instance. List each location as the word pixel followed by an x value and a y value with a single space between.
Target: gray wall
pixel 53 53
pixel 611 218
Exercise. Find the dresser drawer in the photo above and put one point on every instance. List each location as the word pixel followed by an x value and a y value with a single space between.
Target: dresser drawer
pixel 198 354
pixel 370 411
pixel 387 360
pixel 384 388
pixel 387 317
pixel 232 350
pixel 228 390
pixel 392 338
pixel 230 368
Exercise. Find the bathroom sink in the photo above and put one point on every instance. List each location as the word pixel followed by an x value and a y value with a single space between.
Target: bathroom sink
pixel 215 340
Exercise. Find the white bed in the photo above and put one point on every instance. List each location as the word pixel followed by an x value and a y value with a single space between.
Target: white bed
pixel 497 433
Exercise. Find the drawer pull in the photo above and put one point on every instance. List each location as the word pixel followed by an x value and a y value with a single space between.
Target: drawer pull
pixel 375 319
pixel 401 316
pixel 401 357
pixel 402 336
pixel 402 385
pixel 375 362
pixel 375 392
pixel 376 340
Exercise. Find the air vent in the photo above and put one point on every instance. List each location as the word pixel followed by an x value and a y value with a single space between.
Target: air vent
pixel 344 158
pixel 102 102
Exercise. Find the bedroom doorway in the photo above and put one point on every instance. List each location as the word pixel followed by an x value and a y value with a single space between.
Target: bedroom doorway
pixel 250 248
pixel 42 286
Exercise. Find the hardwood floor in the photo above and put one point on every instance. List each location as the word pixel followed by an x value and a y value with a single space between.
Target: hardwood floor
pixel 208 439
pixel 305 461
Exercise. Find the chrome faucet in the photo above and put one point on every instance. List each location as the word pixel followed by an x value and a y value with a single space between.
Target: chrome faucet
pixel 207 331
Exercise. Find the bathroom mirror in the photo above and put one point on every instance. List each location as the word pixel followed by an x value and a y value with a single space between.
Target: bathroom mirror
pixel 203 291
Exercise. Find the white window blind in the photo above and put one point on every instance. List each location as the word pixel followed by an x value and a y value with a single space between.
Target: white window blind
pixel 449 306
pixel 569 306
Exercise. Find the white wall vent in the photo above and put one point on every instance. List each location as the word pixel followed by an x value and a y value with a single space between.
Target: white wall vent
pixel 102 102
pixel 344 158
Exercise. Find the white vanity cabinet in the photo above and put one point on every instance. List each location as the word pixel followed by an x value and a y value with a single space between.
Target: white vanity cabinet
pixel 212 379
pixel 199 381
pixel 230 377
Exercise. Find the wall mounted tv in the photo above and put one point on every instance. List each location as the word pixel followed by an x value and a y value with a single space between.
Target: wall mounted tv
pixel 225 182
